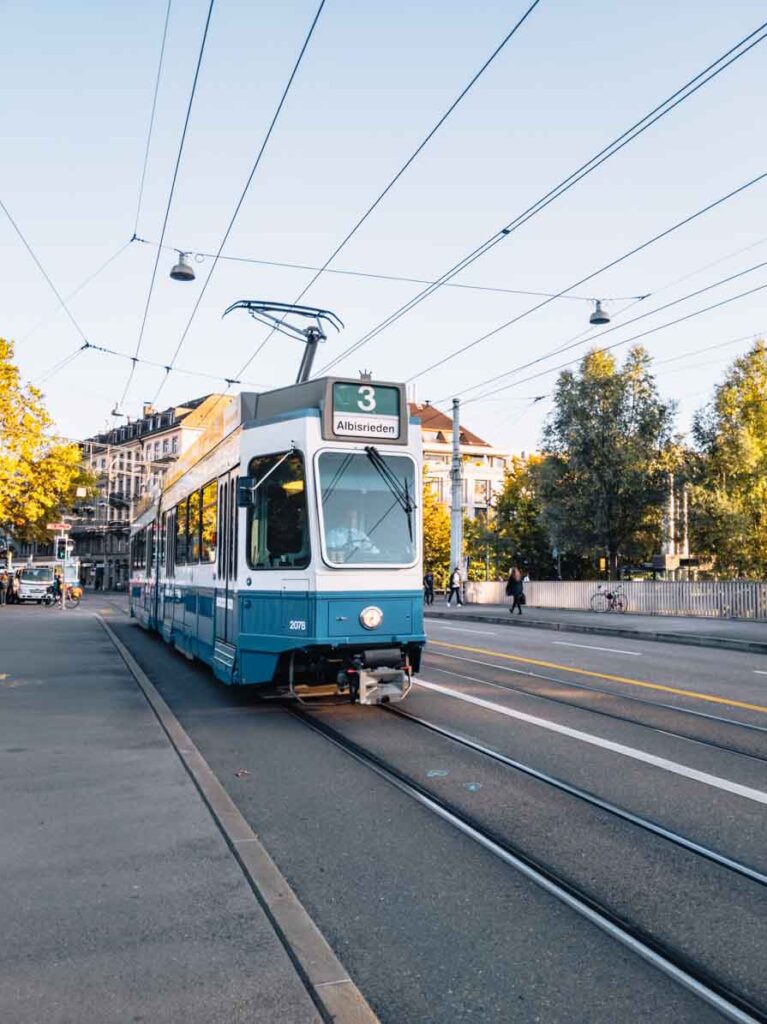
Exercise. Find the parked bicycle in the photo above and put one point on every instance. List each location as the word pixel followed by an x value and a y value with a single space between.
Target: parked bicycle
pixel 609 600
pixel 74 596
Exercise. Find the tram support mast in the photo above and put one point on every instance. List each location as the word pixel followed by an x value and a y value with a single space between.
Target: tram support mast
pixel 456 505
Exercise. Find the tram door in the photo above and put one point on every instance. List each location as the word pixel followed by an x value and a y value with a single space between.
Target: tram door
pixel 226 560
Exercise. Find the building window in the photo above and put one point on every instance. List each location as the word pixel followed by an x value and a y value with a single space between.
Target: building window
pixel 481 492
pixel 174 445
pixel 165 446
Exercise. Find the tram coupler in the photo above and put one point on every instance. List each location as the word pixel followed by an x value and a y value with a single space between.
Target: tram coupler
pixel 383 685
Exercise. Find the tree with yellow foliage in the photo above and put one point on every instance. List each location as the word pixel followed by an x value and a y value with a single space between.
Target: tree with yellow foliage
pixel 436 536
pixel 39 473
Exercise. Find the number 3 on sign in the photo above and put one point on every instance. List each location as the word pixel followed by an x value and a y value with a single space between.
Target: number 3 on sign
pixel 367 400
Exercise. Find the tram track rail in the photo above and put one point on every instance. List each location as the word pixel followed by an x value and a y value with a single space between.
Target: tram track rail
pixel 671 961
pixel 745 728
pixel 590 798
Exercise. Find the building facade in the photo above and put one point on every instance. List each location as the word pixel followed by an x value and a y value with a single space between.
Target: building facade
pixel 129 462
pixel 483 465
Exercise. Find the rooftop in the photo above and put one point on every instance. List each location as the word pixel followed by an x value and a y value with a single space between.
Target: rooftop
pixel 442 425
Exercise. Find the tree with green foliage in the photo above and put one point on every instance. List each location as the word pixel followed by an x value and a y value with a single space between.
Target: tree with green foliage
pixel 39 473
pixel 602 481
pixel 436 536
pixel 729 495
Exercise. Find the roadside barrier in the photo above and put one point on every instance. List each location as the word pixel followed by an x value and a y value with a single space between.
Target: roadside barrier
pixel 713 599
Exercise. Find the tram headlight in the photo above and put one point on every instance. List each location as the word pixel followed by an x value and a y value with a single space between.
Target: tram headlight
pixel 371 617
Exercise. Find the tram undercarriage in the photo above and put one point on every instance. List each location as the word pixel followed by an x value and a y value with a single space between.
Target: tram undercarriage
pixel 375 676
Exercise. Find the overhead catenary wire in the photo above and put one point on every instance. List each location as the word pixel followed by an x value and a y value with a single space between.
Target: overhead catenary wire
pixel 43 271
pixel 53 370
pixel 591 333
pixel 751 336
pixel 595 273
pixel 243 194
pixel 150 130
pixel 410 160
pixel 162 366
pixel 734 53
pixel 600 270
pixel 710 348
pixel 174 179
pixel 625 341
pixel 397 278
pixel 83 284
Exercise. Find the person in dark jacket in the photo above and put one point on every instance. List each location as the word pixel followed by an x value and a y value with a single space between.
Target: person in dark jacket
pixel 515 589
pixel 428 587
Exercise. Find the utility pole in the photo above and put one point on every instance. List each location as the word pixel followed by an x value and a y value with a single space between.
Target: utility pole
pixel 669 543
pixel 456 476
pixel 685 545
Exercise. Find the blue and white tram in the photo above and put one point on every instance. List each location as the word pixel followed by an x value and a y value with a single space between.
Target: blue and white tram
pixel 286 551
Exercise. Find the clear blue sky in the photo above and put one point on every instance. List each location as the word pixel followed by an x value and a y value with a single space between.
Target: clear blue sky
pixel 77 88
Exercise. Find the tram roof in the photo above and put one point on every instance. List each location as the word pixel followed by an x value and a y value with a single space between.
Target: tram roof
pixel 251 407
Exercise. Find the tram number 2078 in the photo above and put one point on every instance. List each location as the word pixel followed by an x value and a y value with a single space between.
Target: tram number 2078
pixel 299 624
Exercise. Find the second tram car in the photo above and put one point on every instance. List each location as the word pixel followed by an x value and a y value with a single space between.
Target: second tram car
pixel 285 551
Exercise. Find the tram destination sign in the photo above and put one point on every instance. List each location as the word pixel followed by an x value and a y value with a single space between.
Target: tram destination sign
pixel 367 411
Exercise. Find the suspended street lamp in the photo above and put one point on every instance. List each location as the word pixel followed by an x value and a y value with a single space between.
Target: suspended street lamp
pixel 599 316
pixel 183 271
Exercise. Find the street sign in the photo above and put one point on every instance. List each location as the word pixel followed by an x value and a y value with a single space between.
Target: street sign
pixel 60 527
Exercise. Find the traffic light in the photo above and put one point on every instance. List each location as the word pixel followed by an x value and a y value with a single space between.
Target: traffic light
pixel 61 550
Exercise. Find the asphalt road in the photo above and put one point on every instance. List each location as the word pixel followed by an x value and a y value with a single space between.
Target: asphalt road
pixel 434 928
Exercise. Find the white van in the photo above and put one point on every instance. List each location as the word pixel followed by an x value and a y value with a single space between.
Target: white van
pixel 34 582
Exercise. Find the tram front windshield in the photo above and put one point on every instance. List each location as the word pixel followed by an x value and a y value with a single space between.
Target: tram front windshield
pixel 367 518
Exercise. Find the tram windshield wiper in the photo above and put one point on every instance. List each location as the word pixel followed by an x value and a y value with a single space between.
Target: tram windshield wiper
pixel 247 485
pixel 392 481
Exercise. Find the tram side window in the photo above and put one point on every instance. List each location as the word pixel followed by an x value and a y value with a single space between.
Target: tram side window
pixel 222 529
pixel 233 510
pixel 209 525
pixel 149 550
pixel 138 550
pixel 193 528
pixel 169 546
pixel 180 546
pixel 278 523
pixel 163 531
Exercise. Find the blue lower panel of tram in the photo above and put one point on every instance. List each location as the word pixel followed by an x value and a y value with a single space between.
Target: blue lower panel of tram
pixel 274 623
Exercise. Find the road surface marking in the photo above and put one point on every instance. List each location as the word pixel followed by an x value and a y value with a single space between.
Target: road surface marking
pixel 461 629
pixel 757 795
pixel 591 647
pixel 759 672
pixel 709 697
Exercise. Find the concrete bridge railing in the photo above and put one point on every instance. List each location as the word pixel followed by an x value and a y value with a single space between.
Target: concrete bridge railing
pixel 724 599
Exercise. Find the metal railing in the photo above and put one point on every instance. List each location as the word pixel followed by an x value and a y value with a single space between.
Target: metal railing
pixel 721 599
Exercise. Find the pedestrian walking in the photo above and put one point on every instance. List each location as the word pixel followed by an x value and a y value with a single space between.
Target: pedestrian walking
pixel 3 587
pixel 455 586
pixel 428 587
pixel 14 588
pixel 515 589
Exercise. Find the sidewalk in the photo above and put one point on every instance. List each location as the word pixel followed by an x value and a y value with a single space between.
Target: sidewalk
pixel 728 634
pixel 121 901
